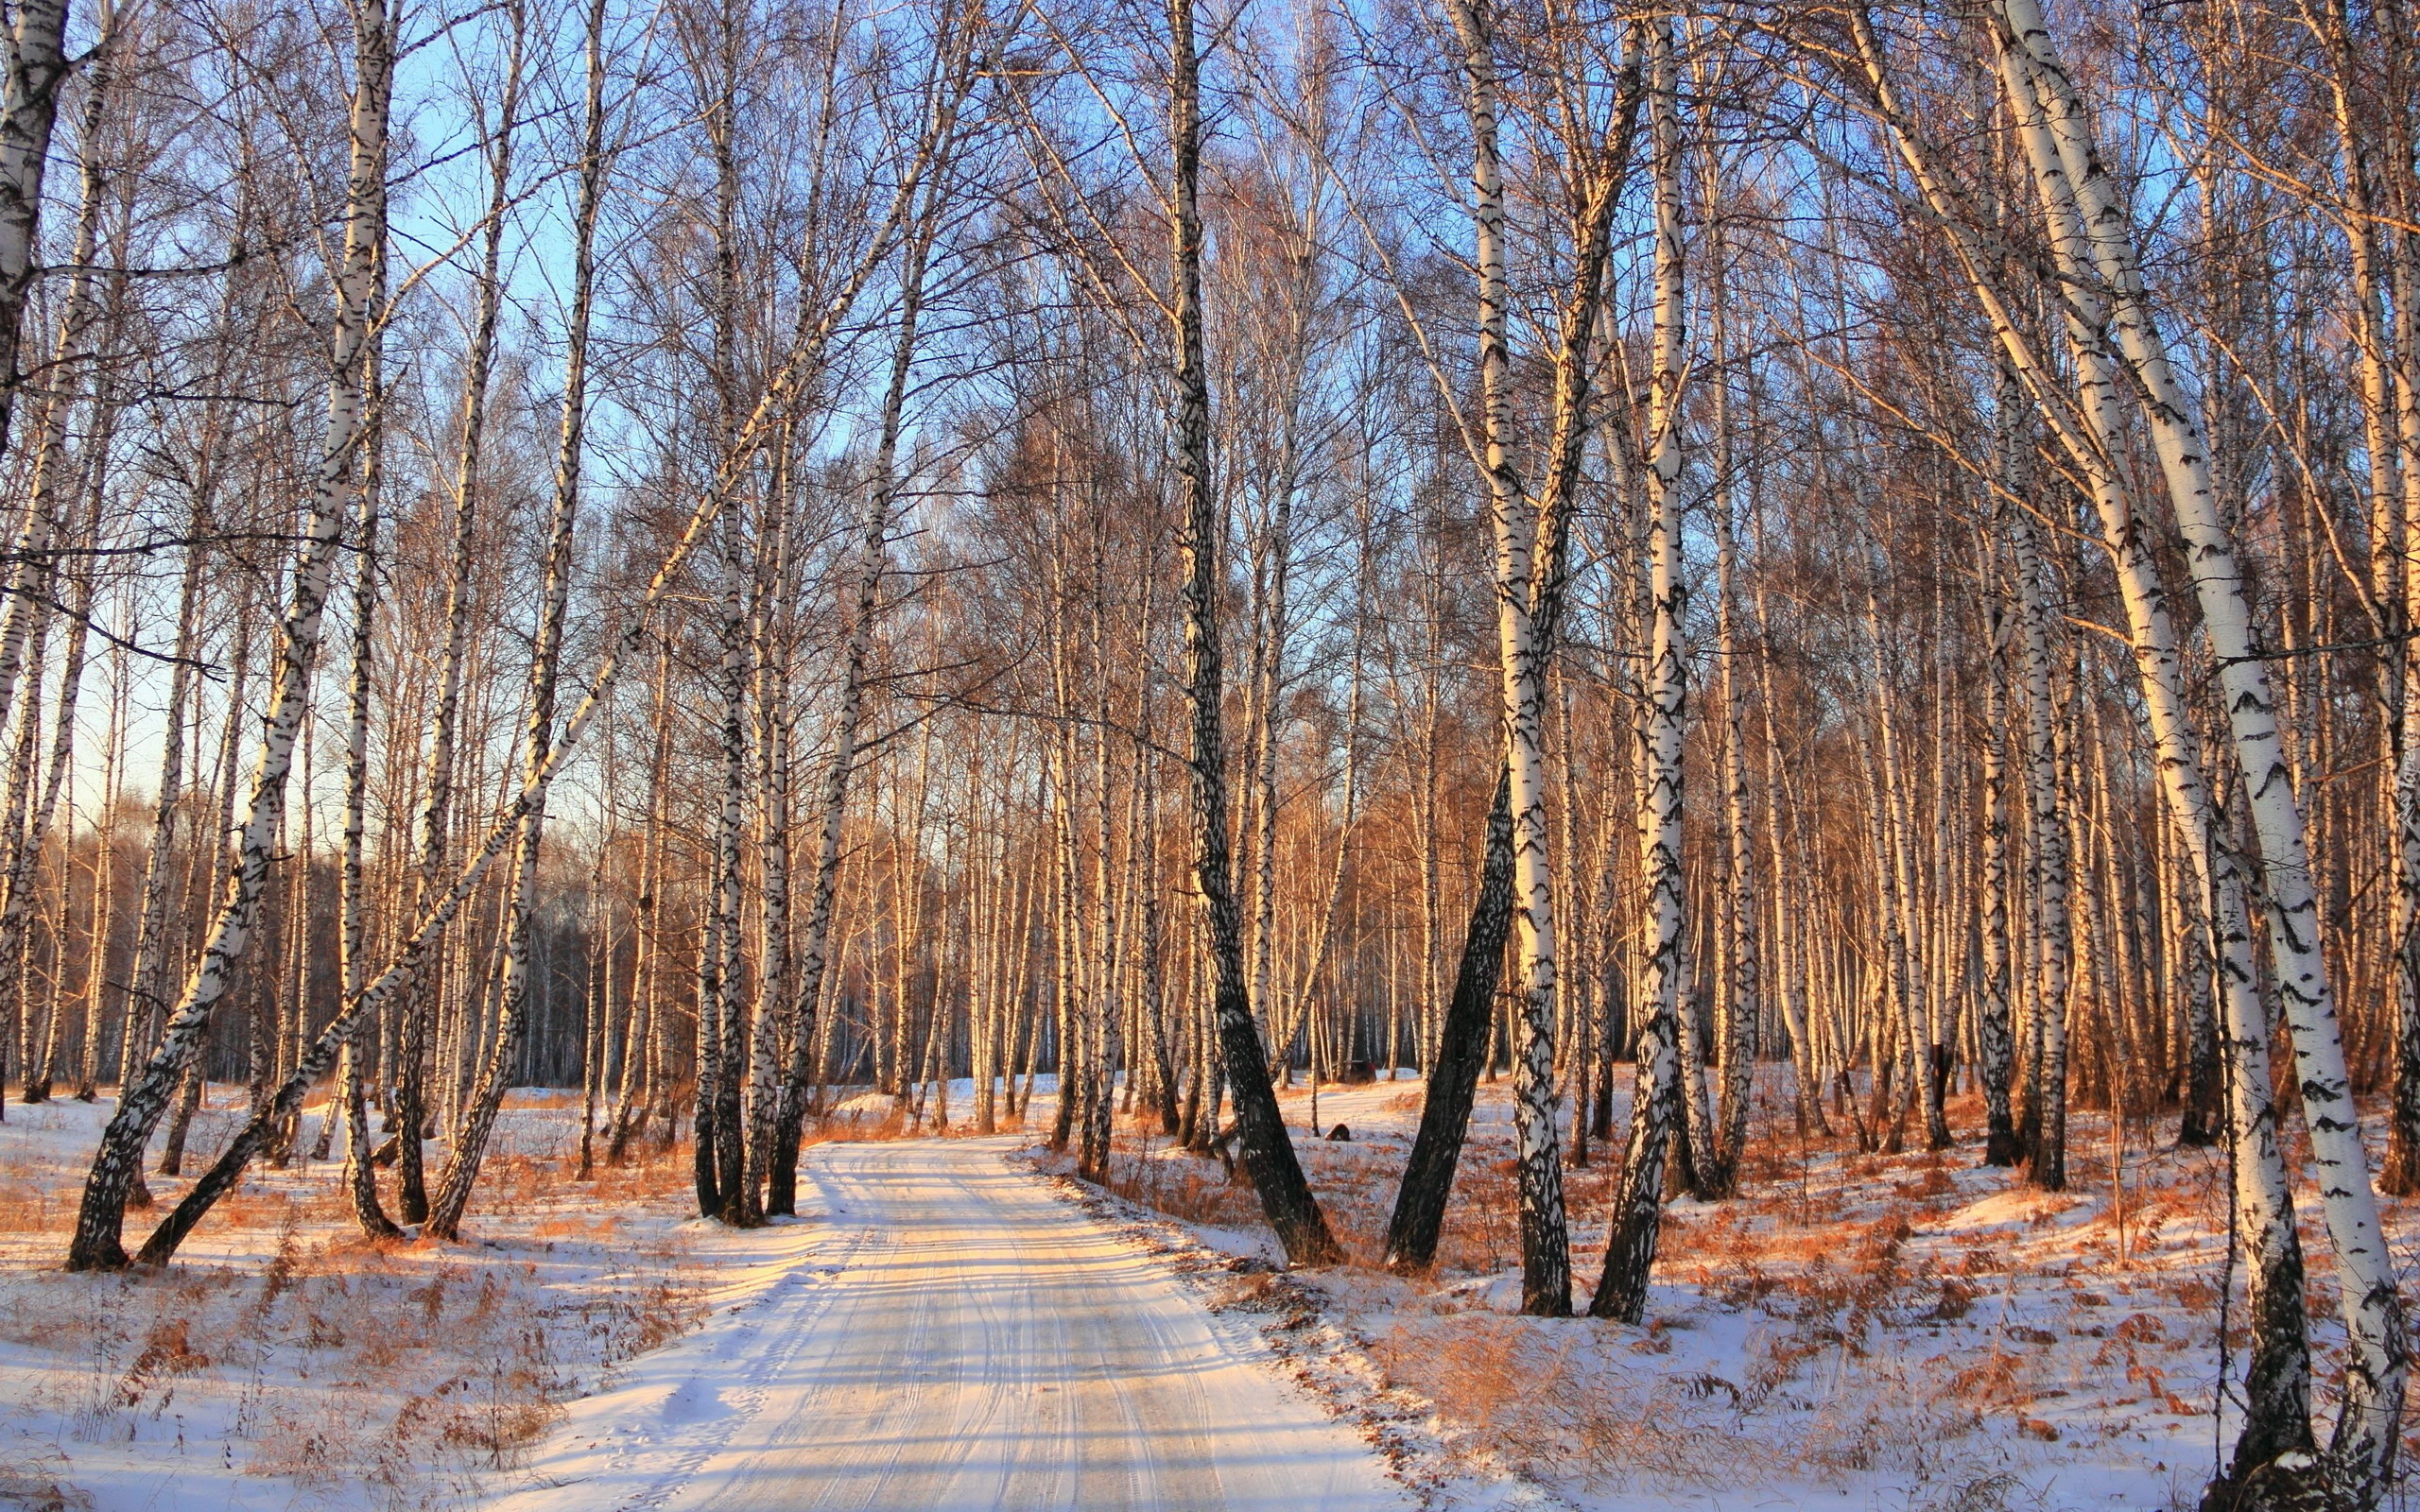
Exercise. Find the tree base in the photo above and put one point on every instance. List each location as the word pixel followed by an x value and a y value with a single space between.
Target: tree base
pixel 2296 1481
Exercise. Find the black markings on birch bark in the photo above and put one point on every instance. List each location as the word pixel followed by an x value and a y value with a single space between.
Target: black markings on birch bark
pixel 1639 1194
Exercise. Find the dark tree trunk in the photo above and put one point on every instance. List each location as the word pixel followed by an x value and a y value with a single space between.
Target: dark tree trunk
pixel 1461 1050
pixel 1268 1150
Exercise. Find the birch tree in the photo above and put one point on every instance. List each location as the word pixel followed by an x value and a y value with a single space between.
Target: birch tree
pixel 95 1245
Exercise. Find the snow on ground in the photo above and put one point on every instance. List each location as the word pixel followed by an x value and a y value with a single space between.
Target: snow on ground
pixel 283 1362
pixel 960 1341
pixel 1854 1331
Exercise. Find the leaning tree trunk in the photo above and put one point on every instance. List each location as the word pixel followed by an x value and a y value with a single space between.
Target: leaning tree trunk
pixel 2086 422
pixel 1461 1043
pixel 2066 159
pixel 1286 1197
pixel 102 1214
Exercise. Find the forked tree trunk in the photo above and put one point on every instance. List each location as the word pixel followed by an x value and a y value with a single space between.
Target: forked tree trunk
pixel 1460 1049
pixel 773 1019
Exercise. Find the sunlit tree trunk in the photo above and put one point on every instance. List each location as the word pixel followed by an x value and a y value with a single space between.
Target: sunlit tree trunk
pixel 2065 158
pixel 101 1215
pixel 1268 1153
pixel 2277 1375
pixel 1545 1264
pixel 1741 997
pixel 1460 1047
pixel 361 1180
pixel 1637 1206
pixel 33 68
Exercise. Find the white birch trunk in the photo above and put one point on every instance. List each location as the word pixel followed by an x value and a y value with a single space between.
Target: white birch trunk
pixel 102 1214
pixel 2364 1445
pixel 2276 1393
pixel 1545 1262
pixel 1630 1251
pixel 34 67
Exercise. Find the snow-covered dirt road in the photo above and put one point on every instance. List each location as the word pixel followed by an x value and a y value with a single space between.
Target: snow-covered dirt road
pixel 952 1336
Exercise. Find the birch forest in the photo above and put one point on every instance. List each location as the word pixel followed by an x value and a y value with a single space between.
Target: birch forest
pixel 1743 584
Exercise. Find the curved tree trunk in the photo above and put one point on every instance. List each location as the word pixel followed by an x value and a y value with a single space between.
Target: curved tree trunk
pixel 2085 422
pixel 1269 1152
pixel 101 1214
pixel 2066 161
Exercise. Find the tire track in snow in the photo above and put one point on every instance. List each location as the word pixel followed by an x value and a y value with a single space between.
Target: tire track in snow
pixel 980 1344
pixel 764 1367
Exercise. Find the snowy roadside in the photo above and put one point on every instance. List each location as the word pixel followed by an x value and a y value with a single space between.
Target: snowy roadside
pixel 1854 1331
pixel 284 1363
pixel 643 1430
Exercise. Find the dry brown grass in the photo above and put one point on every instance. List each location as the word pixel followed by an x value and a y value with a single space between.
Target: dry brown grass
pixel 1555 1402
pixel 370 1372
pixel 1886 1307
pixel 30 1205
pixel 409 1371
pixel 36 1481
pixel 1190 1187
